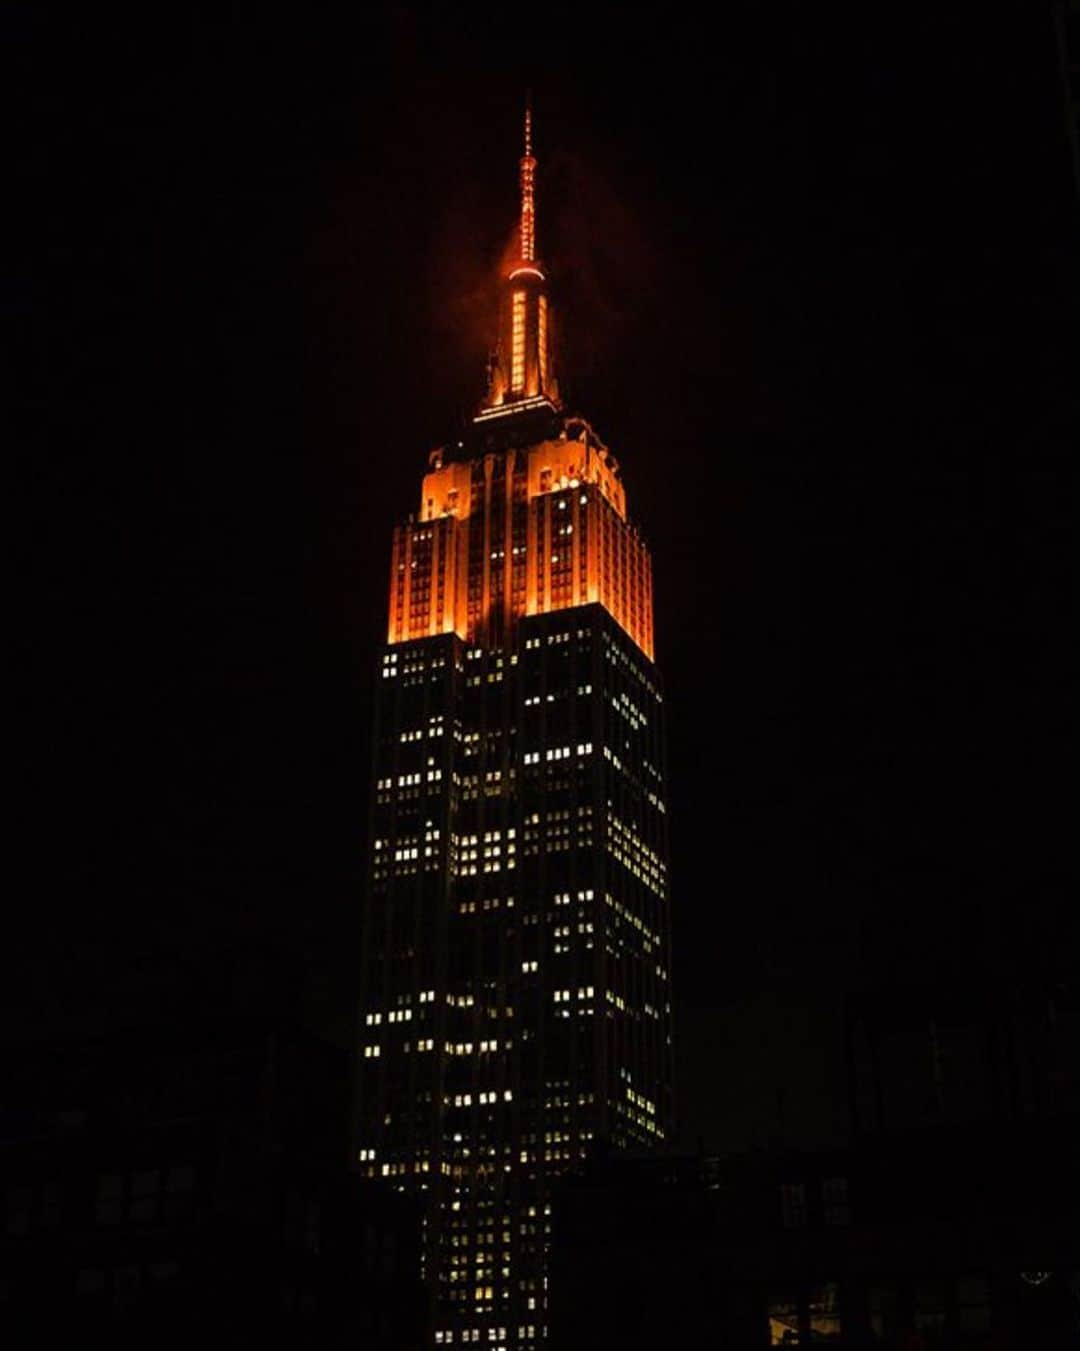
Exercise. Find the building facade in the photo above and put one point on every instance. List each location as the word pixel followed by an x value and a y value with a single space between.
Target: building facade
pixel 959 1238
pixel 947 1221
pixel 516 995
pixel 184 1180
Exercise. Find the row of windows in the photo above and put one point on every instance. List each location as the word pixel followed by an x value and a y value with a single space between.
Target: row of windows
pixel 561 996
pixel 553 753
pixel 409 780
pixel 534 699
pixel 630 918
pixel 938 1309
pixel 488 903
pixel 484 1098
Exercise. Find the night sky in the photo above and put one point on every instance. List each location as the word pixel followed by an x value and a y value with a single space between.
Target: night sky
pixel 817 284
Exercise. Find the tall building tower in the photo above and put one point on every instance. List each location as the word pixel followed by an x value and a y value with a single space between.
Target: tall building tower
pixel 516 1002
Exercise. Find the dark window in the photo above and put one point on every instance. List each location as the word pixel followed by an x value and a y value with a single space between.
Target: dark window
pixel 834 1199
pixel 793 1205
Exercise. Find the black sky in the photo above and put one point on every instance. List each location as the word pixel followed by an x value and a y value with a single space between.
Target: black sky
pixel 817 282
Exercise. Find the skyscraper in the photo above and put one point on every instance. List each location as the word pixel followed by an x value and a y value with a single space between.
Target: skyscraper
pixel 516 995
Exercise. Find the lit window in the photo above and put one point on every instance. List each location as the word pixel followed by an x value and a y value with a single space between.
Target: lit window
pixel 824 1312
pixel 783 1320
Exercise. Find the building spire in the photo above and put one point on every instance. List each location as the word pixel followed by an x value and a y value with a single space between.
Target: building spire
pixel 521 370
pixel 528 203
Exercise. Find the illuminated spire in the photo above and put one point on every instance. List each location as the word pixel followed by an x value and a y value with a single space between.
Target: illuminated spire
pixel 528 205
pixel 521 371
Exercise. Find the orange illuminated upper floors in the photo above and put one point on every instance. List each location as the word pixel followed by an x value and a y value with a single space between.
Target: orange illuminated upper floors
pixel 520 532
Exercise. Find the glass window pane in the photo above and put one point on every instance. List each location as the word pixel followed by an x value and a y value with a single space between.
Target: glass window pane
pixel 824 1310
pixel 144 1183
pixel 783 1320
pixel 882 1301
pixel 930 1308
pixel 973 1304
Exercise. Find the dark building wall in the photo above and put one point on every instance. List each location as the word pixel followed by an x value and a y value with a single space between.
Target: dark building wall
pixel 947 1221
pixel 172 1181
pixel 967 1053
pixel 961 1238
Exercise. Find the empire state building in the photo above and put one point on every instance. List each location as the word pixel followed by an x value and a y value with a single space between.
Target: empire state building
pixel 516 983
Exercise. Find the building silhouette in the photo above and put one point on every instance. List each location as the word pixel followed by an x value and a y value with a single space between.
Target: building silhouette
pixel 516 997
pixel 184 1176
pixel 947 1220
